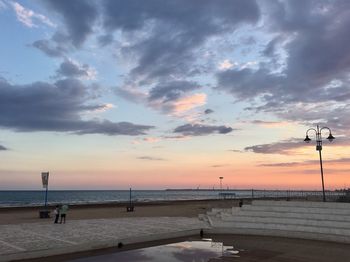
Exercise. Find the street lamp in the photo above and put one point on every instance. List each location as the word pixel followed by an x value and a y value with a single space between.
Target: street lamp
pixel 221 182
pixel 330 137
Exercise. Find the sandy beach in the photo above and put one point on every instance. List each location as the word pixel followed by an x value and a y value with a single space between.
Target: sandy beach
pixel 188 208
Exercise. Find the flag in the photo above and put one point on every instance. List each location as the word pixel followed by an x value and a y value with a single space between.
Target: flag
pixel 45 179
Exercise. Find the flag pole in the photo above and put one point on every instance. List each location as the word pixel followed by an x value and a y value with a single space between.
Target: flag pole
pixel 47 188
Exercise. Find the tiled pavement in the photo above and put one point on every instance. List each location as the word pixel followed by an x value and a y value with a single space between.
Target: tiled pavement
pixel 43 239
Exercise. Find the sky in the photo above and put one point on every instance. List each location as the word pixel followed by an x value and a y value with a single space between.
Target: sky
pixel 158 94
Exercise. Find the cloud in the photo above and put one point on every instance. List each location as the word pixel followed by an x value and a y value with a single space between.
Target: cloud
pixel 2 148
pixel 208 111
pixel 104 40
pixel 226 64
pixel 57 107
pixel 301 75
pixel 201 130
pixel 105 108
pixel 177 138
pixel 78 16
pixel 248 83
pixel 171 91
pixel 317 171
pixel 46 47
pixel 165 42
pixel 286 147
pixel 187 103
pixel 172 32
pixel 282 147
pixel 169 98
pixel 235 150
pixel 217 166
pixel 270 123
pixel 3 5
pixel 307 63
pixel 151 139
pixel 26 16
pixel 72 69
pixel 57 46
pixel 109 128
pixel 132 94
pixel 151 158
pixel 310 162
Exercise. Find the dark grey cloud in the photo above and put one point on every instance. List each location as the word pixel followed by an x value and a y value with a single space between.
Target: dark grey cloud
pixel 2 148
pixel 79 17
pixel 164 38
pixel 208 111
pixel 48 48
pixel 72 69
pixel 57 46
pixel 175 30
pixel 151 158
pixel 163 96
pixel 188 15
pixel 58 107
pixel 131 94
pixel 110 128
pixel 282 147
pixel 315 64
pixel 201 130
pixel 170 91
pixel 249 83
pixel 286 147
pixel 104 40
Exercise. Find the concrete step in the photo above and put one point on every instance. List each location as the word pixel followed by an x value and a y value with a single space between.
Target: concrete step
pixel 289 221
pixel 309 220
pixel 219 211
pixel 330 205
pixel 315 210
pixel 271 214
pixel 280 233
pixel 284 227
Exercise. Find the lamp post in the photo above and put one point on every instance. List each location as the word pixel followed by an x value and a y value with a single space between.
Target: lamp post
pixel 221 182
pixel 318 132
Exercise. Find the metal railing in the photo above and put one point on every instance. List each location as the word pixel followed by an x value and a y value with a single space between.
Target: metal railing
pixel 339 195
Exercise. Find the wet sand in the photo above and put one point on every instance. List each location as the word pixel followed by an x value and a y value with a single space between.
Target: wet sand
pixel 189 208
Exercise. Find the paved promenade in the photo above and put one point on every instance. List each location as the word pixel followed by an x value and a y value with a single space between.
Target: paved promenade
pixel 43 239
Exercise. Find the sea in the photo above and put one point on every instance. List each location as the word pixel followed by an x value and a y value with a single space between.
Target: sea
pixel 37 198
pixel 81 197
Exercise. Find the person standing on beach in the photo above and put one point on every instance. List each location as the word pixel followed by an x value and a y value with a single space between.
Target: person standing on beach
pixel 57 213
pixel 63 212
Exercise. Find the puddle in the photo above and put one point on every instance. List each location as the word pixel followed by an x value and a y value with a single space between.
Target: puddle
pixel 187 251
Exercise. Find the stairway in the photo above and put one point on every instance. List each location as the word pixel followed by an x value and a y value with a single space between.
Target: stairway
pixel 298 219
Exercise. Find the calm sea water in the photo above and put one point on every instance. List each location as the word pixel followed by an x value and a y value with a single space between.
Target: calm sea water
pixel 35 198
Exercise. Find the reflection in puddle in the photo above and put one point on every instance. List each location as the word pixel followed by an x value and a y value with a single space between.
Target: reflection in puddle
pixel 187 251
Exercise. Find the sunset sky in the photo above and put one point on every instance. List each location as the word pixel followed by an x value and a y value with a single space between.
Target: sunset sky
pixel 156 94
